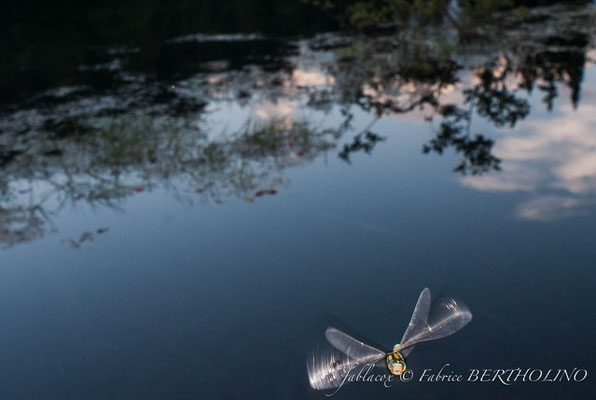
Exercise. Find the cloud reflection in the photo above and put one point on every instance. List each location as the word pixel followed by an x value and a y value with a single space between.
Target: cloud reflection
pixel 554 158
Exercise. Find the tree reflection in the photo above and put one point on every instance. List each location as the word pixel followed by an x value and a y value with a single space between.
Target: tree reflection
pixel 417 72
pixel 454 132
pixel 102 166
pixel 21 224
pixel 365 141
pixel 145 127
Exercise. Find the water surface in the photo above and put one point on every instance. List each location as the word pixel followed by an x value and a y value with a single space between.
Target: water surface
pixel 185 230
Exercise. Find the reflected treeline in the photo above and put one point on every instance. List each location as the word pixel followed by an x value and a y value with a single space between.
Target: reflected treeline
pixel 220 116
pixel 42 45
pixel 375 16
pixel 100 166
pixel 492 77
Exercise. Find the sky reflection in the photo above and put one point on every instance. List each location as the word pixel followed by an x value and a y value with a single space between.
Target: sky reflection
pixel 553 157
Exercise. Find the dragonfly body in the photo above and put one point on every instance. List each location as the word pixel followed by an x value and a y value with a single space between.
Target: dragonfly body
pixel 396 363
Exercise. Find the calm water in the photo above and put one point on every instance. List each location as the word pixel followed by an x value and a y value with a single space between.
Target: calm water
pixel 188 229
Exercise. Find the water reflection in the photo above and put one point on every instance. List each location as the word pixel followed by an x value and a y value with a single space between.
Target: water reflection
pixel 103 164
pixel 224 116
pixel 557 154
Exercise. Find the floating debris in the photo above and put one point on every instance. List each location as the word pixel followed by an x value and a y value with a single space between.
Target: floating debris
pixel 85 237
pixel 266 191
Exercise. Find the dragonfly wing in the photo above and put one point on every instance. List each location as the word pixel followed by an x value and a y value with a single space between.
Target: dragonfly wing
pixel 353 348
pixel 328 368
pixel 446 316
pixel 405 352
pixel 418 323
pixel 329 365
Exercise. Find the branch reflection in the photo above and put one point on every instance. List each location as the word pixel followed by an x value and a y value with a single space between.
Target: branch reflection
pixel 126 125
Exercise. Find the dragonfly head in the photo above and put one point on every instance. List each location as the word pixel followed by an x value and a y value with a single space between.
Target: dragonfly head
pixel 396 362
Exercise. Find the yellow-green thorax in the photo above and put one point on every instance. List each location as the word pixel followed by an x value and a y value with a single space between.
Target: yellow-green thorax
pixel 395 361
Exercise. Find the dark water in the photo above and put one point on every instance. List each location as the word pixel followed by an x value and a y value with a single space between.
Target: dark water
pixel 184 222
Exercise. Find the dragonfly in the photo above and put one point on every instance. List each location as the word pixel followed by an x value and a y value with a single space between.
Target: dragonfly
pixel 429 321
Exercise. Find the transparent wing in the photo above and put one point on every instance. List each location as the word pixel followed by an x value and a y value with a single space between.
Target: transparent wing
pixel 417 324
pixel 330 364
pixel 327 368
pixel 444 317
pixel 353 348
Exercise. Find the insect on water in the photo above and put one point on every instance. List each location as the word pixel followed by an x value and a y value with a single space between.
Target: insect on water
pixel 430 321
